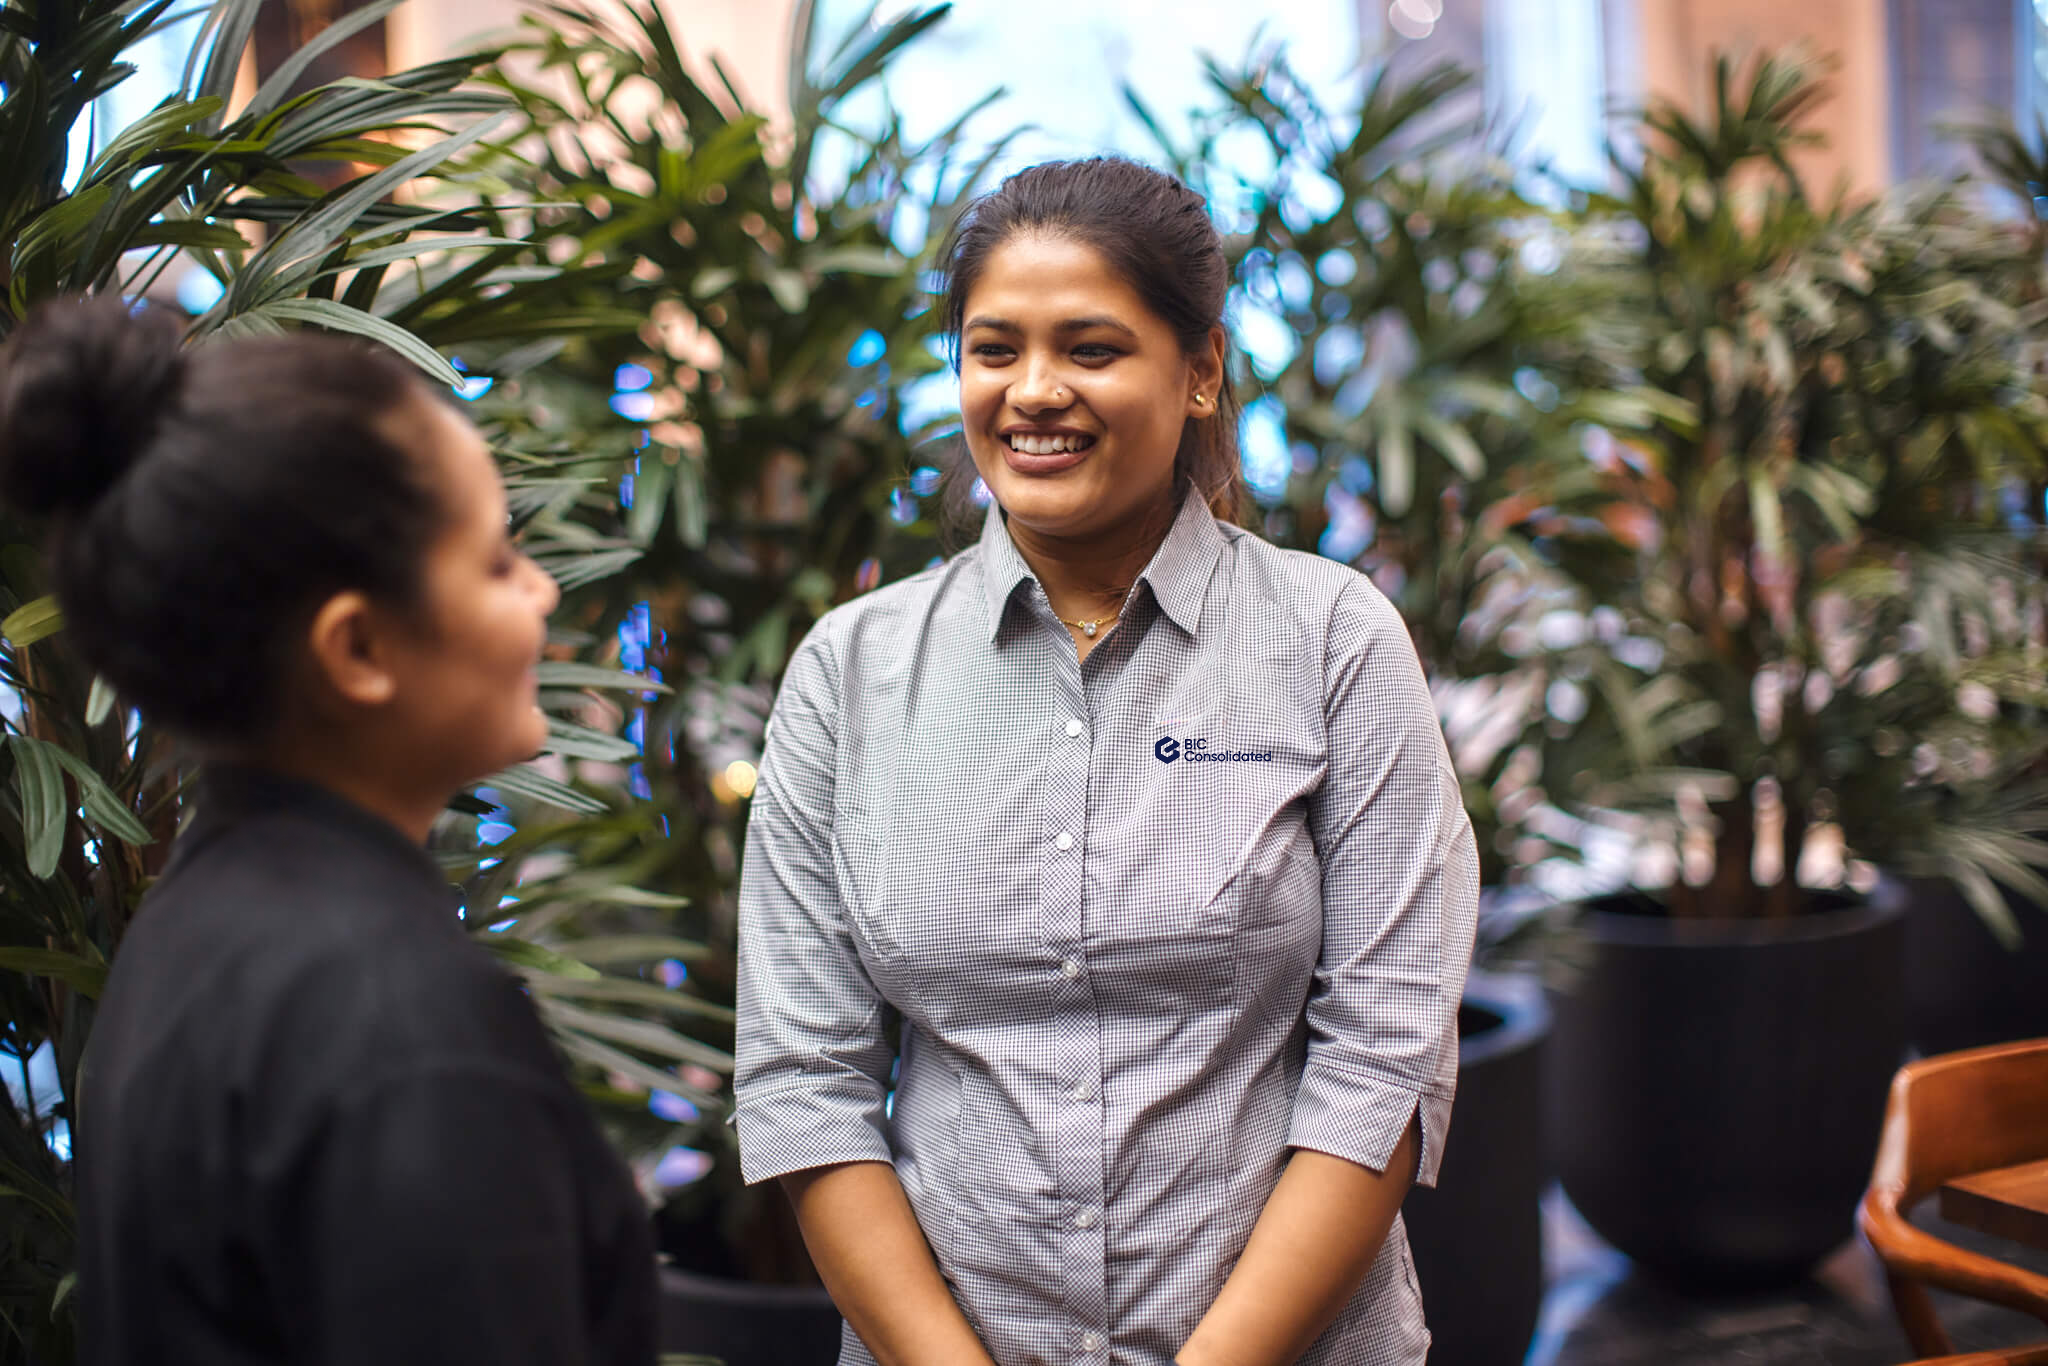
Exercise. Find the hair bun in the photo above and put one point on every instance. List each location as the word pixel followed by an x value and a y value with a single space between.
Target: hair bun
pixel 84 384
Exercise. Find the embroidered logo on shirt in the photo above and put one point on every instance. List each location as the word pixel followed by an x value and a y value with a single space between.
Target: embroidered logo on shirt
pixel 1196 751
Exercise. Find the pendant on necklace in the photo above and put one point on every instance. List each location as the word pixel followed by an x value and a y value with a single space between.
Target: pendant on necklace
pixel 1088 627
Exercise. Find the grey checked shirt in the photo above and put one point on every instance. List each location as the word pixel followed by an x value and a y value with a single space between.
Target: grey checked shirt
pixel 1150 920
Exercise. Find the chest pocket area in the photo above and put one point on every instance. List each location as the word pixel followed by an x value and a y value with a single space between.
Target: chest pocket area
pixel 1167 900
pixel 940 888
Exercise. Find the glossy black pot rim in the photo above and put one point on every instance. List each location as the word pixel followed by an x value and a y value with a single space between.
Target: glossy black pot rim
pixel 1524 1015
pixel 1672 932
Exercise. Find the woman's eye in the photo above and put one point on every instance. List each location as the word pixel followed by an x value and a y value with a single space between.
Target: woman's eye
pixel 1095 352
pixel 990 351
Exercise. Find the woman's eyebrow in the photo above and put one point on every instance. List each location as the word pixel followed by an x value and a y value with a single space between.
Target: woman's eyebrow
pixel 992 324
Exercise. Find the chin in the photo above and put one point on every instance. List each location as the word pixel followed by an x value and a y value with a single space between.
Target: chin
pixel 1046 504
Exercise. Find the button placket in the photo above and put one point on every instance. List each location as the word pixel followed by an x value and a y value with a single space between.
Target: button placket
pixel 1076 1128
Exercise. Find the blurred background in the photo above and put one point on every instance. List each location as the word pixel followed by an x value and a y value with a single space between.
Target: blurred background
pixel 1674 366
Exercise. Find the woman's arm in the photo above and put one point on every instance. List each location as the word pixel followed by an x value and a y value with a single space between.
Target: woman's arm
pixel 875 1261
pixel 1317 1237
pixel 1374 1102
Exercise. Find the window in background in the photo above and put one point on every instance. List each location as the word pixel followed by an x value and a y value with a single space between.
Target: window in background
pixel 2030 104
pixel 1064 65
pixel 1544 68
pixel 159 62
pixel 1955 60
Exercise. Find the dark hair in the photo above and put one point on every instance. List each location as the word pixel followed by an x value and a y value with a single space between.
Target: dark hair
pixel 203 502
pixel 1155 233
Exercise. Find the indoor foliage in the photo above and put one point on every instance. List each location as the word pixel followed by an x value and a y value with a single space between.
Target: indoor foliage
pixel 89 794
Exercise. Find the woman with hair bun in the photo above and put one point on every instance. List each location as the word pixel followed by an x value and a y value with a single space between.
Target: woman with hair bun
pixel 1146 833
pixel 317 1124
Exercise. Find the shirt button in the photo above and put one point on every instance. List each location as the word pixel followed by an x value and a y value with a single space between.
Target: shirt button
pixel 1084 1090
pixel 1088 1218
pixel 1074 729
pixel 1070 970
pixel 1091 1342
pixel 1065 841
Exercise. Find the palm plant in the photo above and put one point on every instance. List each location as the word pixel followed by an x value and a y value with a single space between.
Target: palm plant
pixel 753 440
pixel 90 794
pixel 1847 387
pixel 1436 379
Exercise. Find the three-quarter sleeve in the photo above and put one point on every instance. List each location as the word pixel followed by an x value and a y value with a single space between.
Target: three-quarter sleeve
pixel 813 1058
pixel 1400 898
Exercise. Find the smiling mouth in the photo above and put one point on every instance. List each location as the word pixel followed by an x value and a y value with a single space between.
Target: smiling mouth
pixel 1025 443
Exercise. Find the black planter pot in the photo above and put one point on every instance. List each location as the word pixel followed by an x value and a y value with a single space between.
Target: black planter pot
pixel 1717 1087
pixel 1477 1236
pixel 1963 987
pixel 746 1324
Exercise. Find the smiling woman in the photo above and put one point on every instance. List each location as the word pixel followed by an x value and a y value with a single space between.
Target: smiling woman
pixel 1180 970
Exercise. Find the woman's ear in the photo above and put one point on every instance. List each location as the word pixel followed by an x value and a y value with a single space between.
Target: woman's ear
pixel 350 652
pixel 1207 368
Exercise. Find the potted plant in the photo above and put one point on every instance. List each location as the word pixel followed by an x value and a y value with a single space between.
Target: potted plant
pixel 1846 385
pixel 1977 924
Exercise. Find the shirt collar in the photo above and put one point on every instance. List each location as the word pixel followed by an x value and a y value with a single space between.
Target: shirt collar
pixel 230 793
pixel 1178 573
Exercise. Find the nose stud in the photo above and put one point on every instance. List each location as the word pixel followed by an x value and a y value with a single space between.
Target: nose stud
pixel 1059 394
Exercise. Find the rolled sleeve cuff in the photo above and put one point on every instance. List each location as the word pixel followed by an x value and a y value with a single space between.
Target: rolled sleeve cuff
pixel 1361 1117
pixel 799 1127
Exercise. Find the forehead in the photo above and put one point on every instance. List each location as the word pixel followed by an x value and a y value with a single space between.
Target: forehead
pixel 452 452
pixel 1038 277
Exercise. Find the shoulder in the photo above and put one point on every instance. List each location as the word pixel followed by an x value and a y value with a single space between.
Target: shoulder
pixel 331 947
pixel 875 630
pixel 1322 598
pixel 882 614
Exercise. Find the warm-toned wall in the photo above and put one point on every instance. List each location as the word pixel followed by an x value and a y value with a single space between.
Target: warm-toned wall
pixel 1675 39
pixel 750 37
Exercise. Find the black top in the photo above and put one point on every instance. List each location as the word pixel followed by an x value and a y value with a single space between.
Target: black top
pixel 318 1125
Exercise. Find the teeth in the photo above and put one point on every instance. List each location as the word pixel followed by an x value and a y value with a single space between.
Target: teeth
pixel 1045 445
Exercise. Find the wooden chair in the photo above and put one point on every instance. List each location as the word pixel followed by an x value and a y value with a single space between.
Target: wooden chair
pixel 2037 1355
pixel 1948 1116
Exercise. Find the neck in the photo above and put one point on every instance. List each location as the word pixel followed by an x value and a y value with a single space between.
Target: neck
pixel 357 778
pixel 1087 578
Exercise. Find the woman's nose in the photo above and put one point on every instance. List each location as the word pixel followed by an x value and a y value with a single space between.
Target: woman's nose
pixel 1039 388
pixel 549 591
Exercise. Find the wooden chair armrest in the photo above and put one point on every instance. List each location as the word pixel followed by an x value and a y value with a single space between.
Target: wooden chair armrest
pixel 1917 1255
pixel 2036 1355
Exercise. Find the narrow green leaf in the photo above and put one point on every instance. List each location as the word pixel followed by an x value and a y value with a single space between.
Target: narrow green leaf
pixel 339 30
pixel 341 318
pixel 572 741
pixel 525 781
pixel 31 622
pixel 1396 458
pixel 1454 443
pixel 605 988
pixel 645 1035
pixel 82 975
pixel 626 1065
pixel 100 702
pixel 101 803
pixel 638 948
pixel 556 673
pixel 526 954
pixel 40 782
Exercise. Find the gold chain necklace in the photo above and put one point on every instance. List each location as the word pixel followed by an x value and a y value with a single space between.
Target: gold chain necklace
pixel 1089 628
